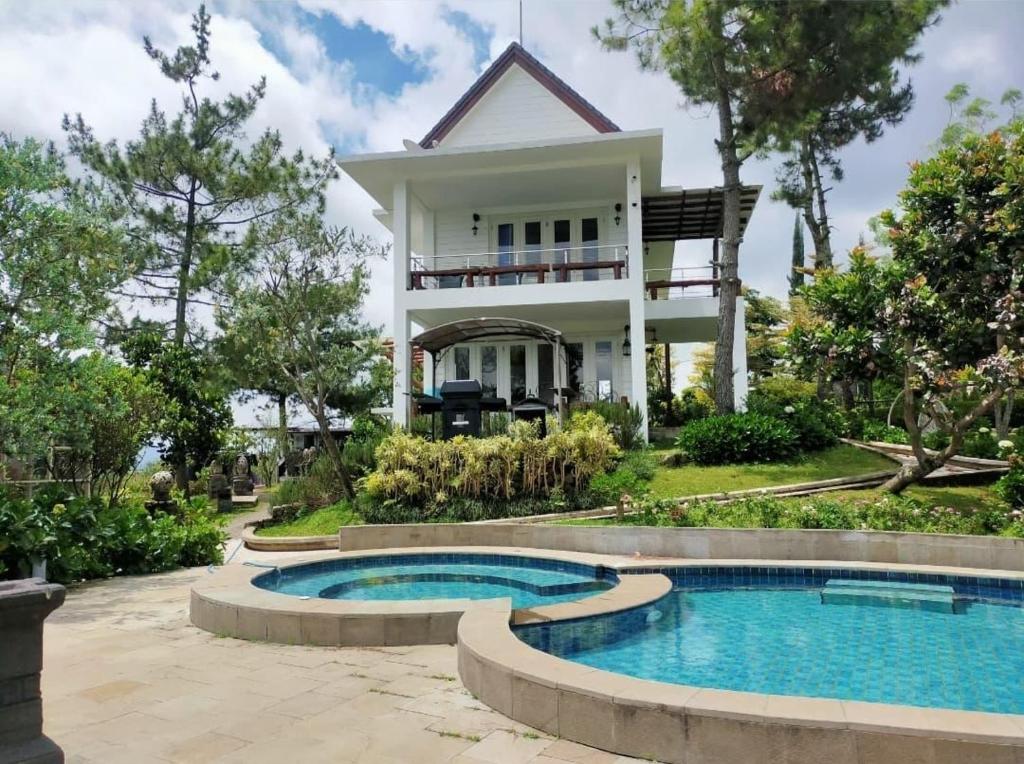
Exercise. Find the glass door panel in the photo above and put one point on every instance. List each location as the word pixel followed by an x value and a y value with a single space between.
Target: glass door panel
pixel 506 252
pixel 545 374
pixel 531 250
pixel 589 239
pixel 517 372
pixel 603 367
pixel 489 370
pixel 563 244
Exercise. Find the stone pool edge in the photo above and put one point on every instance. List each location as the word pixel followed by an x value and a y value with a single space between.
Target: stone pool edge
pixel 228 604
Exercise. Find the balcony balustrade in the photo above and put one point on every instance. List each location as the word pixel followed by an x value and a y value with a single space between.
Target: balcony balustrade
pixel 679 283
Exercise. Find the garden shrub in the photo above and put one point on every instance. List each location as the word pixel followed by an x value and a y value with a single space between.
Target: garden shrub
pixel 1010 487
pixel 883 512
pixel 319 487
pixel 631 476
pixel 817 424
pixel 692 404
pixel 738 438
pixel 883 433
pixel 626 422
pixel 83 538
pixel 502 470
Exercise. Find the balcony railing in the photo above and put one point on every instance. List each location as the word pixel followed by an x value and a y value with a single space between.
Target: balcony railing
pixel 517 267
pixel 677 283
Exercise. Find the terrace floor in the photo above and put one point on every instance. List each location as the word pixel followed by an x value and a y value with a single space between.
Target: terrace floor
pixel 127 678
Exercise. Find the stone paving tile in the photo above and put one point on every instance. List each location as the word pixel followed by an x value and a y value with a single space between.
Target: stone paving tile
pixel 127 679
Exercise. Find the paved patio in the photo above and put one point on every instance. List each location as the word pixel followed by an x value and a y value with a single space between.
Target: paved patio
pixel 127 679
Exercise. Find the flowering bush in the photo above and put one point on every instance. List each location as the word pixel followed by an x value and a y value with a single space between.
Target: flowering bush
pixel 1010 487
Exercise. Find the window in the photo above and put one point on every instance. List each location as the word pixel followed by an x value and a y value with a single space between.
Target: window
pixel 563 241
pixel 489 370
pixel 517 372
pixel 462 363
pixel 590 252
pixel 545 374
pixel 574 364
pixel 603 367
pixel 506 252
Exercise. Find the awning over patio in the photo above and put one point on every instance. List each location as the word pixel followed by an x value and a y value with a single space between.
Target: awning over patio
pixel 466 330
pixel 692 213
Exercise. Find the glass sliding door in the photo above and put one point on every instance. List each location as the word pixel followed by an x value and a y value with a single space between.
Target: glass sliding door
pixel 489 370
pixel 517 372
pixel 574 367
pixel 591 254
pixel 562 243
pixel 506 251
pixel 545 374
pixel 603 368
pixel 531 250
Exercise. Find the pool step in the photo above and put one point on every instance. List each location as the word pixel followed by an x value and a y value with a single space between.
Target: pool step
pixel 845 591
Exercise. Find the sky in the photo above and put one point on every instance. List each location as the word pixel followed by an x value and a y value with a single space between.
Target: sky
pixel 362 75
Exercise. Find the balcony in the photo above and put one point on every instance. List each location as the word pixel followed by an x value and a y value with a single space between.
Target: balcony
pixel 520 267
pixel 681 283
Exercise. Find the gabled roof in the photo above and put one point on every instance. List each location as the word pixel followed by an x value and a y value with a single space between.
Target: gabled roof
pixel 516 54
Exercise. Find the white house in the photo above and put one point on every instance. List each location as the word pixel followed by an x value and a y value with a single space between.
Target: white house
pixel 534 245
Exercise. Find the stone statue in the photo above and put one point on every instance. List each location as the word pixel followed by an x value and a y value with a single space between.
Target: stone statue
pixel 241 483
pixel 218 489
pixel 161 484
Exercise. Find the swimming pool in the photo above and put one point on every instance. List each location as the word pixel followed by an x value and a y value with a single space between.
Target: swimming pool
pixel 771 630
pixel 528 581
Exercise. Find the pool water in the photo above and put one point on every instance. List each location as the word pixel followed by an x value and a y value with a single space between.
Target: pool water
pixel 783 640
pixel 528 581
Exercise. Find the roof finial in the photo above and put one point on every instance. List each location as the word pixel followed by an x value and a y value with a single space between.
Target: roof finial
pixel 520 22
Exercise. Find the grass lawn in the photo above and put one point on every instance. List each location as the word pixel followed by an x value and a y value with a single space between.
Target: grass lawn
pixel 840 461
pixel 322 522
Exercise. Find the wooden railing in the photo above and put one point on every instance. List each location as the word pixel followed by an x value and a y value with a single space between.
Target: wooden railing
pixel 678 283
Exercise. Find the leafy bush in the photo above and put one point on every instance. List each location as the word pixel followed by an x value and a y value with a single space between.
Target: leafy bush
pixel 1010 487
pixel 626 422
pixel 883 433
pixel 83 538
pixel 881 513
pixel 692 404
pixel 738 438
pixel 631 477
pixel 317 488
pixel 816 424
pixel 509 468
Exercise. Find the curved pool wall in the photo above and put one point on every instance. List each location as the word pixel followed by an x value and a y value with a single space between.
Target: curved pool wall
pixel 530 582
pixel 229 603
pixel 988 552
pixel 928 640
pixel 674 722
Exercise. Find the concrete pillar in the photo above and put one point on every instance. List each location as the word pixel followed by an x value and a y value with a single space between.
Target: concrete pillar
pixel 739 357
pixel 402 225
pixel 24 605
pixel 637 312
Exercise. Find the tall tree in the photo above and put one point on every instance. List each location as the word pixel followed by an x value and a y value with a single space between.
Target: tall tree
pixel 973 115
pixel 299 312
pixel 797 265
pixel 193 182
pixel 61 252
pixel 860 46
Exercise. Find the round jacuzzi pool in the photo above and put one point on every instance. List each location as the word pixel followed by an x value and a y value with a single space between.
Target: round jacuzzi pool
pixel 937 641
pixel 529 581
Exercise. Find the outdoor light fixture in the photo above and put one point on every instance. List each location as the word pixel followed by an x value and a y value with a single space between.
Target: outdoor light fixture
pixel 627 346
pixel 618 212
pixel 476 219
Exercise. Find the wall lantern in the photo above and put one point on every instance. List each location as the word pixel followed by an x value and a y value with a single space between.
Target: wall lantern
pixel 618 212
pixel 627 346
pixel 476 219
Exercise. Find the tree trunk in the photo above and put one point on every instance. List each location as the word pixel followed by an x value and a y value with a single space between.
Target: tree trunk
pixel 334 454
pixel 729 282
pixel 180 312
pixel 822 249
pixel 282 427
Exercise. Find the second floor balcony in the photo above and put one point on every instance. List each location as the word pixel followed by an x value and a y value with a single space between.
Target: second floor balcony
pixel 511 267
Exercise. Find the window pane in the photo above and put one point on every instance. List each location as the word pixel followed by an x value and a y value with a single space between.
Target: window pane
pixel 462 363
pixel 574 361
pixel 563 242
pixel 517 371
pixel 545 374
pixel 603 362
pixel 489 370
pixel 590 252
pixel 531 247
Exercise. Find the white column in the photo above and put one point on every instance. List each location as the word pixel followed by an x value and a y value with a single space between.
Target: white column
pixel 739 357
pixel 401 224
pixel 637 312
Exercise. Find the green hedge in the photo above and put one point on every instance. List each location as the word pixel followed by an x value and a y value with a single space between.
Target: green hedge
pixel 738 438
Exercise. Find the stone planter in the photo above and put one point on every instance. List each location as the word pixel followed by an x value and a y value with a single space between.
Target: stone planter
pixel 24 605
